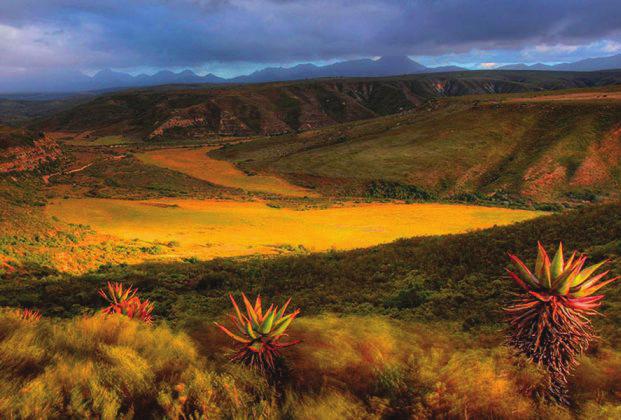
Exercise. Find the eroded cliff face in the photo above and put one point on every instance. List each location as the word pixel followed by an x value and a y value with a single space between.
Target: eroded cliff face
pixel 25 151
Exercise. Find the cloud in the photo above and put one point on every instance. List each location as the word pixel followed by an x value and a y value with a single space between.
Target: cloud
pixel 611 47
pixel 558 48
pixel 488 65
pixel 191 33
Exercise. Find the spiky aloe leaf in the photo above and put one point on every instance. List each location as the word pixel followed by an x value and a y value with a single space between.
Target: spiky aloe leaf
pixel 250 331
pixel 563 282
pixel 588 291
pixel 231 334
pixel 585 274
pixel 257 308
pixel 284 308
pixel 283 324
pixel 266 327
pixel 252 314
pixel 527 275
pixel 240 317
pixel 556 268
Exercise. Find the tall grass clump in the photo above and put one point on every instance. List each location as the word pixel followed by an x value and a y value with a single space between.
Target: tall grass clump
pixel 397 370
pixel 115 367
pixel 349 367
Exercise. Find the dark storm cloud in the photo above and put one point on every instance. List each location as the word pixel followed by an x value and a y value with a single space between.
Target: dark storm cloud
pixel 165 33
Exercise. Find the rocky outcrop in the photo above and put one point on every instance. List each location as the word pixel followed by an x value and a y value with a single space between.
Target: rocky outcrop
pixel 24 151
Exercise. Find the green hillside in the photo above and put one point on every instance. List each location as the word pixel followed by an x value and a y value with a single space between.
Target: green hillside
pixel 542 151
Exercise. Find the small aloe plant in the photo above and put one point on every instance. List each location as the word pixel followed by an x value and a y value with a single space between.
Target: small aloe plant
pixel 27 314
pixel 125 301
pixel 259 332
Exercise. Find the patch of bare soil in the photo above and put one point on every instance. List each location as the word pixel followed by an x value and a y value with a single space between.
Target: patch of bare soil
pixel 601 160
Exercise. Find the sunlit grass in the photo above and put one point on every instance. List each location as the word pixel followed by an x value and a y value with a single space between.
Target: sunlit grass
pixel 211 228
pixel 352 367
pixel 198 164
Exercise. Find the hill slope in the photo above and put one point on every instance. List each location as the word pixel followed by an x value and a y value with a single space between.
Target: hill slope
pixel 24 150
pixel 544 150
pixel 196 111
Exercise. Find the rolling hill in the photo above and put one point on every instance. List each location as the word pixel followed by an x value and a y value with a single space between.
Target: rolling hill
pixel 269 109
pixel 544 149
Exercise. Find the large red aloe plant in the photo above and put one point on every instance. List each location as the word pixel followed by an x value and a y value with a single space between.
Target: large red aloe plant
pixel 125 301
pixel 259 332
pixel 550 322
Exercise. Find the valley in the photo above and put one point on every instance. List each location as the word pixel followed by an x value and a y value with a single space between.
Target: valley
pixel 385 208
pixel 344 186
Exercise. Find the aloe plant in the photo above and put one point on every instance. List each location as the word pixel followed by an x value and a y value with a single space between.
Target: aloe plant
pixel 27 314
pixel 259 332
pixel 550 322
pixel 125 301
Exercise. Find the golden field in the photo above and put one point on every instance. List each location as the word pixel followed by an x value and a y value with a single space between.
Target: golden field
pixel 214 228
pixel 197 163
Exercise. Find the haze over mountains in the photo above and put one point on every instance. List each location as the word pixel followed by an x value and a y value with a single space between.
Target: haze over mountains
pixel 75 81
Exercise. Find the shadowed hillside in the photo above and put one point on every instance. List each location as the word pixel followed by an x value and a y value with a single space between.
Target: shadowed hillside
pixel 197 111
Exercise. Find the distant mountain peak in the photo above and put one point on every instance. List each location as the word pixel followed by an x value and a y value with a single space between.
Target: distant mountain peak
pixel 395 59
pixel 399 64
pixel 389 65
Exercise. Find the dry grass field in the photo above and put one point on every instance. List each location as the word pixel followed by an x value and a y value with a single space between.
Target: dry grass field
pixel 198 164
pixel 212 228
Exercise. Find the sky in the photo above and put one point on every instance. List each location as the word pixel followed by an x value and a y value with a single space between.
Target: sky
pixel 233 37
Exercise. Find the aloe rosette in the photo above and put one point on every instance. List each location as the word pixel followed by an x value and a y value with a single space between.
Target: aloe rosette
pixel 259 333
pixel 125 301
pixel 550 321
